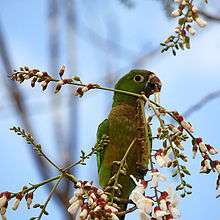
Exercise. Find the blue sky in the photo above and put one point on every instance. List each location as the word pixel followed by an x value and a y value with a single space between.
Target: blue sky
pixel 186 79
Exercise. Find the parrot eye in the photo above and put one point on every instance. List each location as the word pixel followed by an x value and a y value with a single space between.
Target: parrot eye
pixel 138 78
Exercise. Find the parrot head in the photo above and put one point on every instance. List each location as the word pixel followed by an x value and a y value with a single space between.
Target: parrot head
pixel 137 81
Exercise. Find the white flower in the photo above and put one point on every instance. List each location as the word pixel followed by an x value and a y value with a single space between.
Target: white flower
pixel 83 214
pixel 3 201
pixel 179 144
pixel 216 165
pixel 205 167
pixel 184 124
pixel 174 212
pixel 195 9
pixel 194 150
pixel 202 146
pixel 178 1
pixel 158 212
pixel 74 207
pixel 202 23
pixel 145 204
pixel 173 198
pixel 114 216
pixel 173 128
pixel 78 193
pixel 211 149
pixel 112 208
pixel 16 204
pixel 144 216
pixel 156 176
pixel 176 12
pixel 161 159
pixel 191 30
pixel 157 99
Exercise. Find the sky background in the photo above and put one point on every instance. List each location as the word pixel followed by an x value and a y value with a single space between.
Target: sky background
pixel 186 79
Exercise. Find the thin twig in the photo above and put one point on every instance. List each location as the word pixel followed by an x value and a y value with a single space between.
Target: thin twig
pixel 35 186
pixel 122 163
pixel 49 197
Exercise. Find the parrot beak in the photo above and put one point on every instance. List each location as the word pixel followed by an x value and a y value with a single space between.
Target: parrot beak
pixel 153 86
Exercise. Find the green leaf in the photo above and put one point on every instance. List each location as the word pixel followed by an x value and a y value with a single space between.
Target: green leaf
pixel 180 187
pixel 174 52
pixel 188 185
pixel 186 172
pixel 181 21
pixel 183 195
pixel 174 173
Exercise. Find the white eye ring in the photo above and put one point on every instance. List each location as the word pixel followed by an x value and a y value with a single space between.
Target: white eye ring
pixel 138 78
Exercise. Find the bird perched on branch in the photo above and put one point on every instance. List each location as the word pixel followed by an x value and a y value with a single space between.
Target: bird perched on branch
pixel 126 124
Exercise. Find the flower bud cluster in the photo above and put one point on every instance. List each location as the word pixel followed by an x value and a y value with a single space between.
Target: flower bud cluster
pixel 81 90
pixel 171 154
pixel 207 151
pixel 90 202
pixel 6 196
pixel 37 76
pixel 187 13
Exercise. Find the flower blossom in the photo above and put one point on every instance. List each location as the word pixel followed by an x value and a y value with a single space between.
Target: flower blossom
pixel 211 149
pixel 202 146
pixel 81 90
pixel 161 159
pixel 143 203
pixel 4 197
pixel 75 202
pixel 183 123
pixel 89 202
pixel 216 165
pixel 158 213
pixel 176 13
pixel 156 176
pixel 202 23
pixel 205 165
pixel 18 199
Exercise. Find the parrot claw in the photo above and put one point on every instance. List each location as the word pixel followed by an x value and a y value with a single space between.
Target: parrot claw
pixel 141 169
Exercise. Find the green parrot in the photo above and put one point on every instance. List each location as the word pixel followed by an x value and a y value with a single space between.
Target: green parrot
pixel 121 128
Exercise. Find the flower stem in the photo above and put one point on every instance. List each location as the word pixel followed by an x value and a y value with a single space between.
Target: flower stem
pixel 49 197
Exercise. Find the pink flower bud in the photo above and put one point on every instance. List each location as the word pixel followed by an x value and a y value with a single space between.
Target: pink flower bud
pixel 202 23
pixel 211 149
pixel 62 70
pixel 29 198
pixel 176 12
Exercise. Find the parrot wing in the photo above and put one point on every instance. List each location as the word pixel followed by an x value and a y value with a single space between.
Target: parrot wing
pixel 102 141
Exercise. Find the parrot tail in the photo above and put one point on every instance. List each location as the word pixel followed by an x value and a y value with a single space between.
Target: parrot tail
pixel 123 207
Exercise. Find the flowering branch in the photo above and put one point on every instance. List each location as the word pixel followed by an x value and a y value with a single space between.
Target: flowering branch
pixel 30 140
pixel 121 171
pixel 44 78
pixel 90 202
pixel 48 199
pixel 84 156
pixel 187 13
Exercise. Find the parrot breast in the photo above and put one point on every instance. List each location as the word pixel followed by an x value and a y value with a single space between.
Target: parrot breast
pixel 122 131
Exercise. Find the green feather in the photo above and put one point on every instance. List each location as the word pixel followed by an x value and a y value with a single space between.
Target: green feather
pixel 102 134
pixel 121 129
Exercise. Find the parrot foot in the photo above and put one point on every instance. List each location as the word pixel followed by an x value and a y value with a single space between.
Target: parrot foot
pixel 116 163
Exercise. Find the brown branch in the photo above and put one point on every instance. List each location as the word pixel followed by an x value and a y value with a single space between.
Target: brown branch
pixel 200 104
